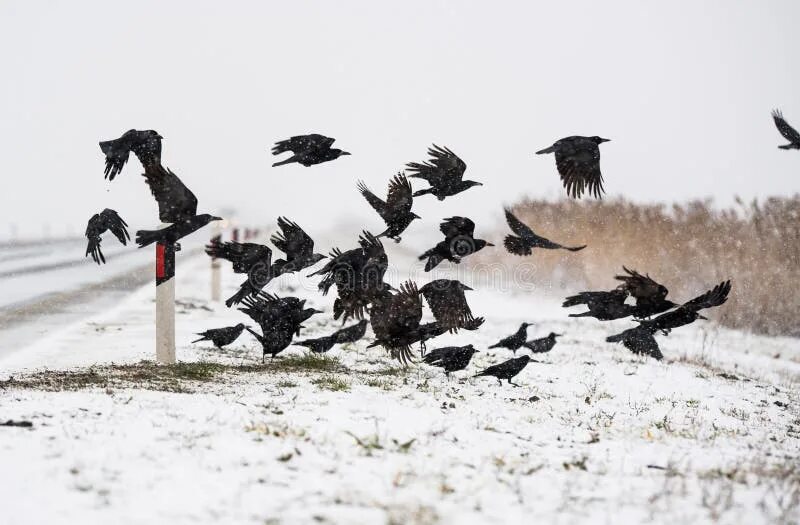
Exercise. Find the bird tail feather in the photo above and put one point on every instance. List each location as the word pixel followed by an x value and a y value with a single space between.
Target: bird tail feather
pixel 148 237
pixel 287 161
pixel 786 146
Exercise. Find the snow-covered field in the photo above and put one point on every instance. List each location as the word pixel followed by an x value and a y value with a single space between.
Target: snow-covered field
pixel 593 435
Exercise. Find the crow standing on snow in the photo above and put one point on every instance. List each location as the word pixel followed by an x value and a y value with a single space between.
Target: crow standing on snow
pixel 448 303
pixel 308 150
pixel 515 341
pixel 396 211
pixel 788 132
pixel 525 240
pixel 578 163
pixel 146 145
pixel 506 370
pixel 543 344
pixel 106 220
pixel 459 241
pixel 221 336
pixel 450 358
pixel 280 319
pixel 444 172
pixel 350 334
pixel 640 340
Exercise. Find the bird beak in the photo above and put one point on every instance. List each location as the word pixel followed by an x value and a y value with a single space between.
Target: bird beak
pixel 467 287
pixel 559 335
pixel 318 311
pixel 217 219
pixel 346 153
pixel 605 140
pixel 702 317
pixel 479 184
pixel 416 216
pixel 489 244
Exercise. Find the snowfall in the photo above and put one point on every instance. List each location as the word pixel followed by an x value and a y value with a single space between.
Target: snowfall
pixel 594 434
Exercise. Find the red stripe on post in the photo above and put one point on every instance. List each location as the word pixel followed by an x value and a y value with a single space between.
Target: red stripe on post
pixel 160 258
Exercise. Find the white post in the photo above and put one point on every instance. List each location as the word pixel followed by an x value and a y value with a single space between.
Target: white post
pixel 165 303
pixel 216 277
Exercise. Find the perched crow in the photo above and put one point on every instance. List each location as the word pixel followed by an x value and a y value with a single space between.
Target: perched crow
pixel 448 303
pixel 444 172
pixel 280 319
pixel 459 241
pixel 649 295
pixel 319 345
pixel 349 334
pixel 395 319
pixel 396 211
pixel 106 220
pixel 450 358
pixel 514 342
pixel 506 370
pixel 358 276
pixel 640 340
pixel 146 145
pixel 786 130
pixel 525 240
pixel 297 245
pixel 221 336
pixel 543 344
pixel 578 163
pixel 605 306
pixel 308 150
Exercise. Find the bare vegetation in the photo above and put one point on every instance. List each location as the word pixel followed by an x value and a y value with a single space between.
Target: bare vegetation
pixel 689 247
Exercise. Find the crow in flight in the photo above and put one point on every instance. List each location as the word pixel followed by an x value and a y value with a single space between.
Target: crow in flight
pixel 786 130
pixel 444 172
pixel 395 319
pixel 506 370
pixel 450 358
pixel 350 334
pixel 146 145
pixel 253 259
pixel 221 336
pixel 607 306
pixel 280 319
pixel 396 211
pixel 515 341
pixel 543 344
pixel 640 340
pixel 525 240
pixel 448 303
pixel 308 150
pixel 459 241
pixel 358 276
pixel 106 220
pixel 297 245
pixel 578 163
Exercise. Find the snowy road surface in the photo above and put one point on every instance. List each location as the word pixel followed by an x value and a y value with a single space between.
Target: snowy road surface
pixel 593 435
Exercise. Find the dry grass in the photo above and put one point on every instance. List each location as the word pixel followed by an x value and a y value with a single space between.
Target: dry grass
pixel 688 247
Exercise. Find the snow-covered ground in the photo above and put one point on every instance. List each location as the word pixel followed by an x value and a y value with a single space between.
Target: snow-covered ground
pixel 593 435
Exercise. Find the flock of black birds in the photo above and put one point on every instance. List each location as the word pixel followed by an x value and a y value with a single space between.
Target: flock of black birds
pixel 357 275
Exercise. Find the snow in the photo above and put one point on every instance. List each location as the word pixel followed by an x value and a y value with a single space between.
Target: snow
pixel 594 434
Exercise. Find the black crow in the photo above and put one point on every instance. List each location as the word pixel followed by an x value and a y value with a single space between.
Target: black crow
pixel 280 319
pixel 106 220
pixel 319 345
pixel 543 344
pixel 506 370
pixel 146 145
pixel 243 255
pixel 459 241
pixel 578 163
pixel 448 303
pixel 605 306
pixel 221 336
pixel 358 276
pixel 444 172
pixel 450 358
pixel 649 295
pixel 297 245
pixel 641 340
pixel 395 319
pixel 525 240
pixel 308 150
pixel 786 130
pixel 515 341
pixel 349 334
pixel 396 211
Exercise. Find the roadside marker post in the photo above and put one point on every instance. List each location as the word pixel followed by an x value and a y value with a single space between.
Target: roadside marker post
pixel 165 303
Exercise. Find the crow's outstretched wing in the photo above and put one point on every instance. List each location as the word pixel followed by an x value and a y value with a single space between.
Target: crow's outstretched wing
pixel 106 220
pixel 303 144
pixel 448 303
pixel 175 201
pixel 457 227
pixel 786 130
pixel 243 255
pixel 292 240
pixel 641 286
pixel 373 200
pixel 578 163
pixel 444 167
pixel 399 198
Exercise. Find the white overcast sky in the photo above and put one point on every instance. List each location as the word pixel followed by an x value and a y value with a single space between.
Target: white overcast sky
pixel 683 88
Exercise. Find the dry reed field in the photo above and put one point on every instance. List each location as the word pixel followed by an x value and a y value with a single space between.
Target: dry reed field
pixel 688 247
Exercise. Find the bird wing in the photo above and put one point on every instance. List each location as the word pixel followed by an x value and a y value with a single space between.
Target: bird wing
pixel 641 286
pixel 175 201
pixel 373 200
pixel 447 303
pixel 292 240
pixel 714 297
pixel 457 227
pixel 786 130
pixel 243 255
pixel 350 334
pixel 114 223
pixel 579 167
pixel 444 167
pixel 517 225
pixel 399 198
pixel 303 143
